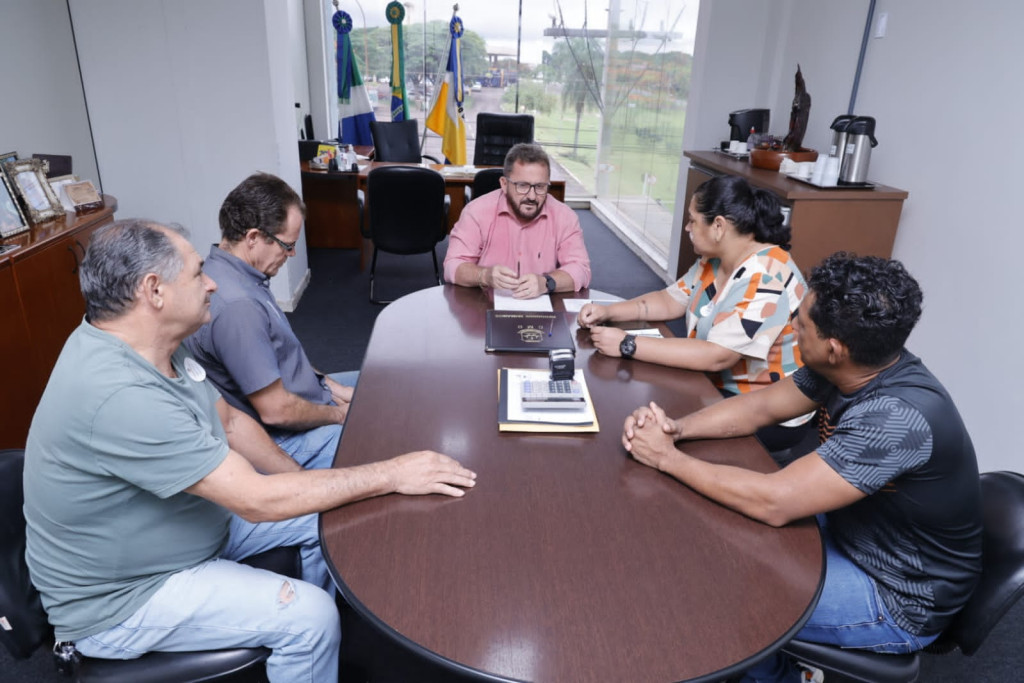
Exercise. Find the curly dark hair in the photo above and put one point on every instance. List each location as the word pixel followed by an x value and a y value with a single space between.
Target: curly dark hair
pixel 750 209
pixel 261 201
pixel 870 304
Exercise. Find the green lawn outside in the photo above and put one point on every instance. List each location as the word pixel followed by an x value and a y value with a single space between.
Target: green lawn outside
pixel 643 141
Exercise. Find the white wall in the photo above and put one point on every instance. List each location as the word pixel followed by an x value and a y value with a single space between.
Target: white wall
pixel 297 59
pixel 186 99
pixel 44 106
pixel 943 88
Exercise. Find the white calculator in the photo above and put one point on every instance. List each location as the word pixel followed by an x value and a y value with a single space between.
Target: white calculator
pixel 553 394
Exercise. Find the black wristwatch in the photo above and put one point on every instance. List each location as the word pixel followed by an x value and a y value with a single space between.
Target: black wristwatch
pixel 550 283
pixel 627 347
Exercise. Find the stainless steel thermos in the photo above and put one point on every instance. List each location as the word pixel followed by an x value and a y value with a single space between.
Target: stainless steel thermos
pixel 838 147
pixel 860 138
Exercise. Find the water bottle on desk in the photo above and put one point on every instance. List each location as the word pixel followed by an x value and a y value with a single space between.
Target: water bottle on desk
pixel 752 139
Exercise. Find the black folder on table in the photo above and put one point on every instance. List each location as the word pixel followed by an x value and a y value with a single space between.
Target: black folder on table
pixel 527 331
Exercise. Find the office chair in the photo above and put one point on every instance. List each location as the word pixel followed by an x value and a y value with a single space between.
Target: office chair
pixel 1000 587
pixel 486 180
pixel 495 135
pixel 397 141
pixel 20 605
pixel 408 214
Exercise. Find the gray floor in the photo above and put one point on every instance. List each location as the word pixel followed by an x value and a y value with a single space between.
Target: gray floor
pixel 334 321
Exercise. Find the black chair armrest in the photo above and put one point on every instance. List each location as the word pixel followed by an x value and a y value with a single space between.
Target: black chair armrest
pixel 434 159
pixel 856 665
pixel 172 667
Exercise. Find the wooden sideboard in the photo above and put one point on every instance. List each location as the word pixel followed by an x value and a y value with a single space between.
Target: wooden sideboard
pixel 40 305
pixel 824 221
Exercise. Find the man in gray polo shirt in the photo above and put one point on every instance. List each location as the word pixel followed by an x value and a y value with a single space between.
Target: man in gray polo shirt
pixel 143 487
pixel 248 349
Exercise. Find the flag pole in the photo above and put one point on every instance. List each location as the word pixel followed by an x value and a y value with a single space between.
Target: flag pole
pixel 442 67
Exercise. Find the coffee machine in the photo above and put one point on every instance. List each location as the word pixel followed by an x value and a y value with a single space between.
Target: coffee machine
pixel 742 121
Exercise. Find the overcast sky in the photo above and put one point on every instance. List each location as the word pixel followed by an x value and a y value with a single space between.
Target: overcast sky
pixel 497 20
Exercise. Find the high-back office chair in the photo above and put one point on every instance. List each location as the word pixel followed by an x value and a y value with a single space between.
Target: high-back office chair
pixel 1000 587
pixel 20 606
pixel 408 214
pixel 397 141
pixel 495 135
pixel 486 180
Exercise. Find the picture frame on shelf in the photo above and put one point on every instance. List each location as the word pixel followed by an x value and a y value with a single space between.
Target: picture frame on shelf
pixel 12 219
pixel 83 195
pixel 28 176
pixel 57 185
pixel 4 158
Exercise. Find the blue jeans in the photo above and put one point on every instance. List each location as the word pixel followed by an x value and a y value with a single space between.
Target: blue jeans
pixel 314 449
pixel 223 604
pixel 850 614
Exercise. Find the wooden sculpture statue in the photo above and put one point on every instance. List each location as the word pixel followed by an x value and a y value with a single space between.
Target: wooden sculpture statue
pixel 798 117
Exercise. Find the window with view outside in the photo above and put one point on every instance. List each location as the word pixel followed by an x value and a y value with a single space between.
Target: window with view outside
pixel 606 82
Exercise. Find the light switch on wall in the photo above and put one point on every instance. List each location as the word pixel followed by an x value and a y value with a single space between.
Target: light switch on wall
pixel 881 25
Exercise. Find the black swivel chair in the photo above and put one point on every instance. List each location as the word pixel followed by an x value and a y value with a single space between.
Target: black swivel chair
pixel 21 607
pixel 486 180
pixel 495 135
pixel 408 214
pixel 1000 587
pixel 397 141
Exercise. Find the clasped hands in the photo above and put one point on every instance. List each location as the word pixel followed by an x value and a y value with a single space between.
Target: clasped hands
pixel 528 286
pixel 606 339
pixel 649 435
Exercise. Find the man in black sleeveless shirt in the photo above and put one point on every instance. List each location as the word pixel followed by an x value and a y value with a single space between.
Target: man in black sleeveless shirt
pixel 894 480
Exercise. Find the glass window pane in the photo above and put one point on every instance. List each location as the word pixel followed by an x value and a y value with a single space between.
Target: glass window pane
pixel 606 82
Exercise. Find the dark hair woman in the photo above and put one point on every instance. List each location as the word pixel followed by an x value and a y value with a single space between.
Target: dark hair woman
pixel 738 298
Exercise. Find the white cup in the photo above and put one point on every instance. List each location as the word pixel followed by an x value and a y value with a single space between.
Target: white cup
pixel 737 147
pixel 831 176
pixel 819 170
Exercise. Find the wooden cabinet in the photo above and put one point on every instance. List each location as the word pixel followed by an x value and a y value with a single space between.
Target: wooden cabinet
pixel 21 378
pixel 823 221
pixel 40 305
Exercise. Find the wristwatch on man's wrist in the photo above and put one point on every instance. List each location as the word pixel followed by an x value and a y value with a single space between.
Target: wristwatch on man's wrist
pixel 550 283
pixel 627 347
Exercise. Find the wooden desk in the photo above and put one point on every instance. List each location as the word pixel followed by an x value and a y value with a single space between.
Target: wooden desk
pixel 824 221
pixel 568 561
pixel 332 212
pixel 40 305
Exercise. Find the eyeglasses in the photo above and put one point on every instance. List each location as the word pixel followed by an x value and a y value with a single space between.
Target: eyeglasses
pixel 287 246
pixel 524 188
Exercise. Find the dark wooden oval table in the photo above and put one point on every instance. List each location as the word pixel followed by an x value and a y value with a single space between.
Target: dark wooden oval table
pixel 568 561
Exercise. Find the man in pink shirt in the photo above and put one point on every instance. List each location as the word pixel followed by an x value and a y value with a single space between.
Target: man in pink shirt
pixel 518 238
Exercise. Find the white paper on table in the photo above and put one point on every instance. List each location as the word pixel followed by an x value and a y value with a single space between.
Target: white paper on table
pixel 574 305
pixel 646 332
pixel 566 416
pixel 504 301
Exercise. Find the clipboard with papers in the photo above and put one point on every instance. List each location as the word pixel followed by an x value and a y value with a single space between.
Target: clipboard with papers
pixel 513 417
